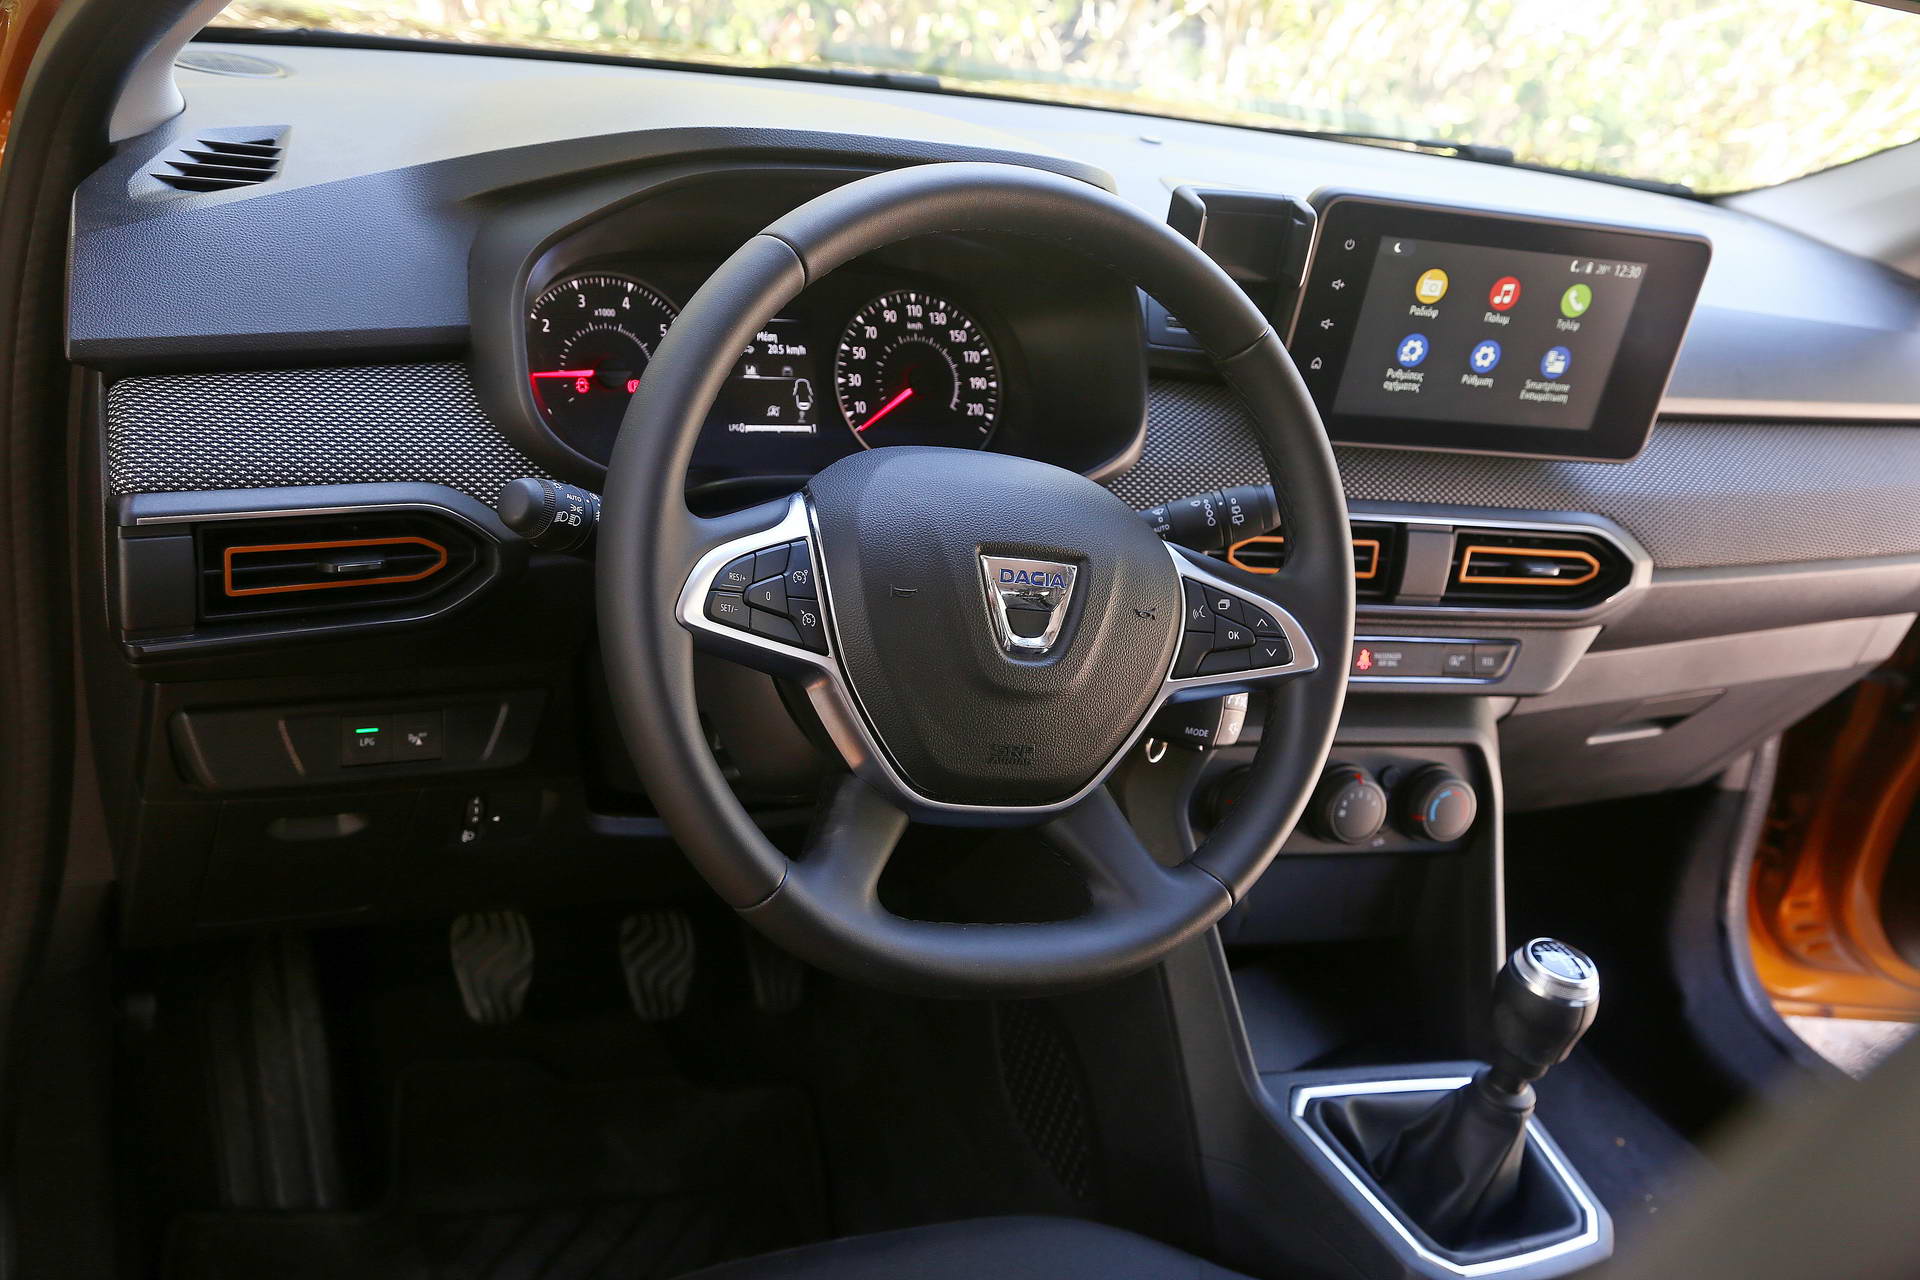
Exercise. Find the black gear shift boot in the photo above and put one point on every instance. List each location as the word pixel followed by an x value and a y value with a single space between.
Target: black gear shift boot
pixel 1534 1209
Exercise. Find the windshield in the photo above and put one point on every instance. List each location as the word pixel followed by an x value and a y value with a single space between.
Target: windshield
pixel 1718 95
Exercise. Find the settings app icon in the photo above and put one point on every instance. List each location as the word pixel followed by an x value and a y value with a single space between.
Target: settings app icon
pixel 1413 349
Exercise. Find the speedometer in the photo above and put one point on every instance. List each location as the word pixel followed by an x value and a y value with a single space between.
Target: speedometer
pixel 913 368
pixel 589 338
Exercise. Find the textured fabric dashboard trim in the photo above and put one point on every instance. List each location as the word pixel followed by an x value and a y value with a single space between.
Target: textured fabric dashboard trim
pixel 261 428
pixel 1704 494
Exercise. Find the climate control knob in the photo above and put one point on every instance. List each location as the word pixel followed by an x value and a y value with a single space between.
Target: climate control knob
pixel 1436 804
pixel 1348 807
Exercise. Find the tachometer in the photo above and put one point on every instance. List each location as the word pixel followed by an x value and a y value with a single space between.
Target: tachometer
pixel 915 369
pixel 589 338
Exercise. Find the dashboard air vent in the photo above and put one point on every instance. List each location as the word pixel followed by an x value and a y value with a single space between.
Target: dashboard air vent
pixel 1517 567
pixel 220 164
pixel 1376 557
pixel 326 564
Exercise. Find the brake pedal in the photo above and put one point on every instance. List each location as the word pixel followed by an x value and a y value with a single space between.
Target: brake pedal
pixel 779 981
pixel 493 963
pixel 656 953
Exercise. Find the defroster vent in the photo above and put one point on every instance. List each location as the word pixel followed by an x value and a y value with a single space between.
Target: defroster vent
pixel 220 161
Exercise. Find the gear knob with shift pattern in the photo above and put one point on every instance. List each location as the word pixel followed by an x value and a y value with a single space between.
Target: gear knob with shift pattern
pixel 1454 1168
pixel 1543 1002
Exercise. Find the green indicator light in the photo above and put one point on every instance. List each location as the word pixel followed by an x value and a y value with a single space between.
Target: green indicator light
pixel 374 729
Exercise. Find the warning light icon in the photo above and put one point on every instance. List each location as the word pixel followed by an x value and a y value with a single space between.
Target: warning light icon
pixel 1363 661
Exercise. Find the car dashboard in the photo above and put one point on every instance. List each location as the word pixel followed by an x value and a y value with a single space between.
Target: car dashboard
pixel 311 387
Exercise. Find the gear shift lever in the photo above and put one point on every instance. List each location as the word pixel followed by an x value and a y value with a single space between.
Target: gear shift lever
pixel 1457 1164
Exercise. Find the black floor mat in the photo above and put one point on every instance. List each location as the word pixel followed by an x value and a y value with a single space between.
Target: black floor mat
pixel 505 1172
pixel 1635 1163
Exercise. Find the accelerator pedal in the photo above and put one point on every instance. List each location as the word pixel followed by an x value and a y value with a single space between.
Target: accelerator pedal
pixel 493 963
pixel 779 981
pixel 656 952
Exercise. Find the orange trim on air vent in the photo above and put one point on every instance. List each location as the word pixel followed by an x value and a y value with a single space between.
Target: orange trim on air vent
pixel 1468 578
pixel 263 548
pixel 1233 554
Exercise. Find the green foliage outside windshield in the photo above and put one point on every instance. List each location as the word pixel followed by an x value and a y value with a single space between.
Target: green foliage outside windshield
pixel 1715 94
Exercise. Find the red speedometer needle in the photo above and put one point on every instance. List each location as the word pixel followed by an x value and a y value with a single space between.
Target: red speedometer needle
pixel 563 373
pixel 887 408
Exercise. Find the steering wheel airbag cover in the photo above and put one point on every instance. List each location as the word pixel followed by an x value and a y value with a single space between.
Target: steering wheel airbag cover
pixel 902 532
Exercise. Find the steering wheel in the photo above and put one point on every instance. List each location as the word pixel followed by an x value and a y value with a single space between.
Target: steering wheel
pixel 982 636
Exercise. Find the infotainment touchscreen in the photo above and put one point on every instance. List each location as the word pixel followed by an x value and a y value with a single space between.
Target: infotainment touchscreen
pixel 1458 329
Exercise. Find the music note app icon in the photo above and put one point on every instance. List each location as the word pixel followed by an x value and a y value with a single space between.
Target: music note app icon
pixel 1504 294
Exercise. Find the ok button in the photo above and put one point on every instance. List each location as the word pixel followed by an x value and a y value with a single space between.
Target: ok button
pixel 1232 635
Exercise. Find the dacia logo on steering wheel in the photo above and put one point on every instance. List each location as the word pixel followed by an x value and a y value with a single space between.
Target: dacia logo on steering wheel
pixel 1027 601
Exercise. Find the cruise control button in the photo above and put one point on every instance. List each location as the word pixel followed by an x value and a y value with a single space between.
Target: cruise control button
pixel 770 563
pixel 809 619
pixel 1194 647
pixel 1199 611
pixel 1232 635
pixel 1271 651
pixel 770 595
pixel 737 576
pixel 774 627
pixel 800 572
pixel 729 608
pixel 1224 662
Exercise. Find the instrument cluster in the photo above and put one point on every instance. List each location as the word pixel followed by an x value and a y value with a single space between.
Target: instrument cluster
pixel 863 360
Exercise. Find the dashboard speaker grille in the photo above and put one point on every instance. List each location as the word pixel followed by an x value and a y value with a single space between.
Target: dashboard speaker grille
pixel 257 429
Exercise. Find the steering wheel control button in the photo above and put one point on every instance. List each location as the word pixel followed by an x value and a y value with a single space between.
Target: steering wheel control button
pixel 1223 662
pixel 1232 635
pixel 771 593
pixel 1194 647
pixel 774 627
pixel 1199 610
pixel 1262 622
pixel 799 573
pixel 1226 606
pixel 809 619
pixel 737 576
pixel 1271 651
pixel 1348 807
pixel 728 608
pixel 771 563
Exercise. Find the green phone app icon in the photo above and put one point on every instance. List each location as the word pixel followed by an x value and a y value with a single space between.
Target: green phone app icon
pixel 1575 301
